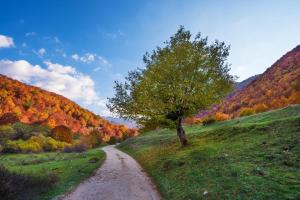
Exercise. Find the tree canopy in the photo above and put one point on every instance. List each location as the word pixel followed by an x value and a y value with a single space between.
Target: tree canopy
pixel 179 79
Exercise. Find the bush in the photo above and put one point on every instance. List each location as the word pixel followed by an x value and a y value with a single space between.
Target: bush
pixel 192 120
pixel 92 140
pixel 16 186
pixel 26 131
pixel 80 147
pixel 17 146
pixel 208 120
pixel 246 112
pixel 221 116
pixel 6 133
pixel 112 140
pixel 34 144
pixel 62 133
pixel 260 108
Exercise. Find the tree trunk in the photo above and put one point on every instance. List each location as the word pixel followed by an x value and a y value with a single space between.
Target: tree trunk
pixel 181 132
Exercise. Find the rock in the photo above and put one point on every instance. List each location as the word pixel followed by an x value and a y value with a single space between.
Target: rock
pixel 205 192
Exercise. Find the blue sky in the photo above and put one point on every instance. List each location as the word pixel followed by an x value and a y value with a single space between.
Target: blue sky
pixel 78 48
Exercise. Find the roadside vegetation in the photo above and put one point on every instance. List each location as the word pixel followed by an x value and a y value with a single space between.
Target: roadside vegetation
pixel 45 175
pixel 252 157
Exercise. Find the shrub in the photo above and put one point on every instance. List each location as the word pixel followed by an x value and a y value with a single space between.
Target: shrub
pixel 6 133
pixel 112 140
pixel 80 147
pixel 17 146
pixel 8 118
pixel 34 144
pixel 208 120
pixel 11 147
pixel 260 108
pixel 246 112
pixel 192 120
pixel 17 186
pixel 62 133
pixel 93 139
pixel 221 116
pixel 26 131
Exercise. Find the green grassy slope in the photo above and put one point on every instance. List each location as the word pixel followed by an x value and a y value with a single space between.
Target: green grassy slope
pixel 71 168
pixel 254 157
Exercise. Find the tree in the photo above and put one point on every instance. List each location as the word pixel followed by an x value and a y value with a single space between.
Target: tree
pixel 179 79
pixel 62 133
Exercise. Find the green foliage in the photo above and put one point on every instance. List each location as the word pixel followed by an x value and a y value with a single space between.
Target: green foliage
pixel 254 157
pixel 25 131
pixel 6 133
pixel 179 79
pixel 69 169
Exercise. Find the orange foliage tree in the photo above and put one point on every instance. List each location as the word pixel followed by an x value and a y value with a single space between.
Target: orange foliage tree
pixel 62 133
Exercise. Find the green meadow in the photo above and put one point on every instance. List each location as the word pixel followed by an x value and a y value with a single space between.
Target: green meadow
pixel 67 169
pixel 252 157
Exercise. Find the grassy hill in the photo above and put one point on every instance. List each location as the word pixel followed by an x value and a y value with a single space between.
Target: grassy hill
pixel 253 157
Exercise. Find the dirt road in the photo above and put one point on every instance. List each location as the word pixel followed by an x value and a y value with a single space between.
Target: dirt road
pixel 119 178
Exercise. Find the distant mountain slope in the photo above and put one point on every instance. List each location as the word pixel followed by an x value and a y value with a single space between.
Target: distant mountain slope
pixel 128 123
pixel 244 83
pixel 277 87
pixel 34 105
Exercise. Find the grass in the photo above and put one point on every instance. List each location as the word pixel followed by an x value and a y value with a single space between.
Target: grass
pixel 254 157
pixel 70 168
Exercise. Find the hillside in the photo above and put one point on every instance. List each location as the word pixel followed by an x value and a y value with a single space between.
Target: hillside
pixel 253 157
pixel 241 85
pixel 277 87
pixel 33 105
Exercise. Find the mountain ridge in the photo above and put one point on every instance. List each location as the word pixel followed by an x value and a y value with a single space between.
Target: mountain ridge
pixel 32 104
pixel 277 87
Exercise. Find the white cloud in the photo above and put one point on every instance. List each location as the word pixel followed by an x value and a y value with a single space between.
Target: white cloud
pixel 75 57
pixel 30 34
pixel 24 44
pixel 89 58
pixel 6 41
pixel 42 52
pixel 63 80
pixel 60 68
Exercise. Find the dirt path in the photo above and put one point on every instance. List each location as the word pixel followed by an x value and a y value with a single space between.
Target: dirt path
pixel 119 178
